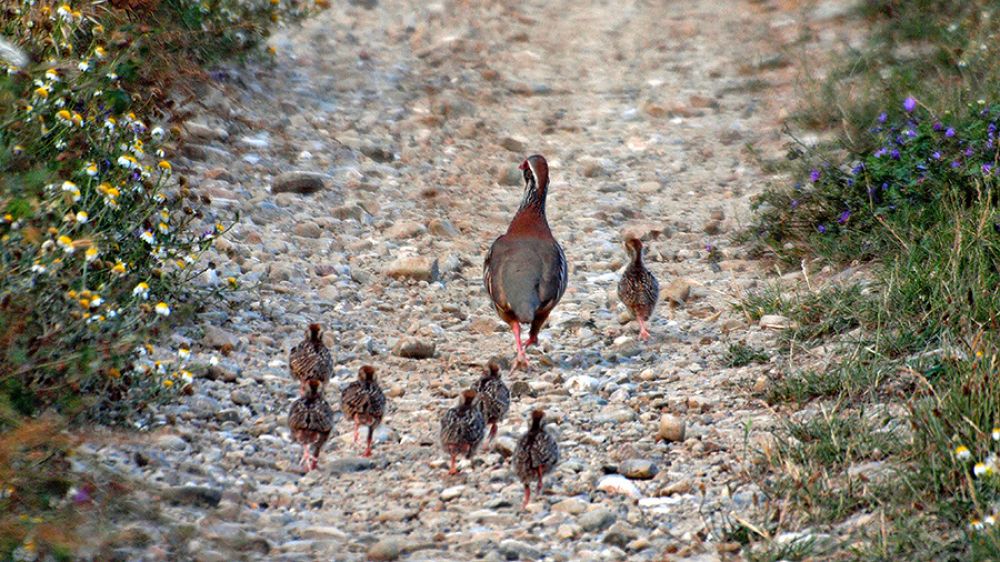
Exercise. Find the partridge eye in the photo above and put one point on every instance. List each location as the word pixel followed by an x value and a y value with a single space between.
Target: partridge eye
pixel 527 175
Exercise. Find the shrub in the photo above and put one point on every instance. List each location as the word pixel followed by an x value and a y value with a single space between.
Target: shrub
pixel 101 243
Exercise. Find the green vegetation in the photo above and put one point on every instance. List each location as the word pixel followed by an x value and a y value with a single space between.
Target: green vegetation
pixel 910 189
pixel 100 241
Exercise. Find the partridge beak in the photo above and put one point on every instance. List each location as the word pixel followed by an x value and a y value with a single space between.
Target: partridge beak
pixel 523 166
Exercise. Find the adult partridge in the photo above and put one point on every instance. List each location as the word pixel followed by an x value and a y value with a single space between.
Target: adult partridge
pixel 525 271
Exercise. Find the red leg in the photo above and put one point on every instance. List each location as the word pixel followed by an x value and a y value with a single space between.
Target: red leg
pixel 493 431
pixel 522 359
pixel 643 332
pixel 368 449
pixel 540 479
pixel 306 461
pixel 527 496
pixel 356 424
pixel 453 470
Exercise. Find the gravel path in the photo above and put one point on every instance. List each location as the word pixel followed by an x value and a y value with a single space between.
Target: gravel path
pixel 415 117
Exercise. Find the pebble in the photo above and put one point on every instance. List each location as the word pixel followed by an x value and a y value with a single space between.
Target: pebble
pixel 416 268
pixel 775 322
pixel 676 292
pixel 517 550
pixel 671 428
pixel 218 338
pixel 387 549
pixel 596 520
pixel 299 182
pixel 638 469
pixel 409 348
pixel 451 493
pixel 617 484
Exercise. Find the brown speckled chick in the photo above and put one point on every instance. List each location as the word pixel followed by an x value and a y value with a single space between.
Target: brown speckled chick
pixel 537 454
pixel 462 429
pixel 364 403
pixel 638 289
pixel 494 396
pixel 311 421
pixel 310 359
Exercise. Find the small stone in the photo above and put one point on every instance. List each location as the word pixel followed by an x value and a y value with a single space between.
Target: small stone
pixel 516 550
pixel 618 484
pixel 218 338
pixel 347 465
pixel 713 227
pixel 174 442
pixel 717 215
pixel 512 144
pixel 671 429
pixel 677 292
pixel 240 397
pixel 591 168
pixel 377 153
pixel 194 495
pixel 572 506
pixel 389 548
pixel 679 487
pixel 414 349
pixel 619 535
pixel 761 384
pixel 521 388
pixel 299 182
pixel 566 532
pixel 638 469
pixel 775 322
pixel 308 229
pixel 596 520
pixel 416 267
pixel 449 494
pixel 581 384
pixel 442 228
pixel 405 229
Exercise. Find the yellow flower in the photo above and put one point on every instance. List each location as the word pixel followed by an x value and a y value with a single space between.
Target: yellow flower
pixel 118 268
pixel 85 303
pixel 232 281
pixel 98 29
pixel 164 228
pixel 962 453
pixel 77 119
pixel 66 243
pixel 162 309
pixel 164 165
pixel 63 115
pixel 99 52
pixel 91 254
pixel 82 217
pixel 91 169
pixel 52 74
pixel 168 383
pixel 141 290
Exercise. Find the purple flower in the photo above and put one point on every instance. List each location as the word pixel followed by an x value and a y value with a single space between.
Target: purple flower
pixel 938 126
pixel 821 228
pixel 950 132
pixel 814 176
pixel 81 496
pixel 987 169
pixel 955 163
pixel 880 152
pixel 909 104
pixel 894 154
pixel 857 169
pixel 969 152
pixel 795 203
pixel 882 117
pixel 844 217
pixel 936 155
